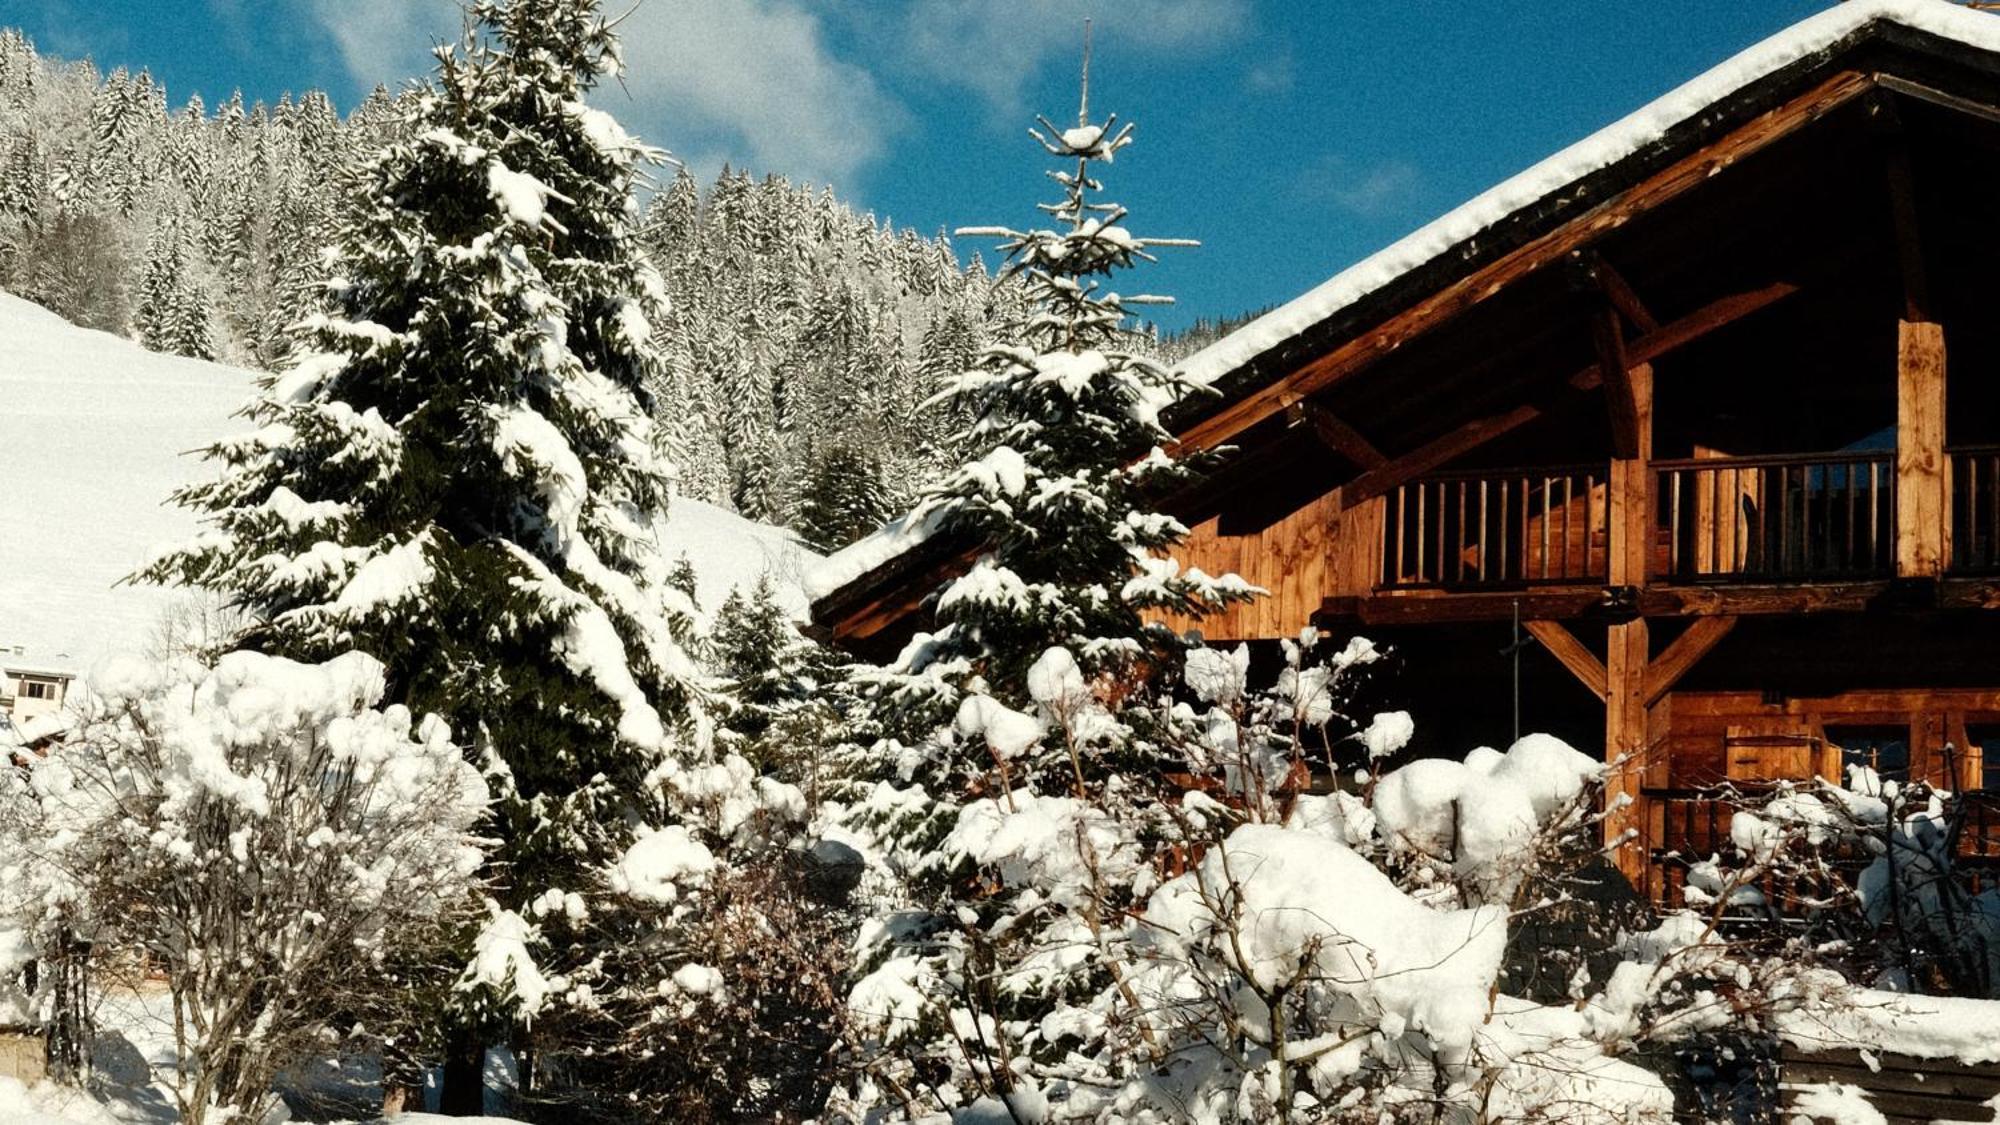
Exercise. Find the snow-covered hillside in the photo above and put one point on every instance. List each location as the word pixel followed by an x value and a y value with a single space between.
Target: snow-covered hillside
pixel 96 431
pixel 729 551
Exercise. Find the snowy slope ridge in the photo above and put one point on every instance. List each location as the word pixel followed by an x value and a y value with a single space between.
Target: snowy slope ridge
pixel 96 431
pixel 1601 149
pixel 729 551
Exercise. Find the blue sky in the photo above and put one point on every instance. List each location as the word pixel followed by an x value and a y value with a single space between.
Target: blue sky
pixel 1290 136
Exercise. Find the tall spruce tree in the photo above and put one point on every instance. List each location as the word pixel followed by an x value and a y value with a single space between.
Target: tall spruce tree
pixel 1020 766
pixel 846 496
pixel 458 477
pixel 173 314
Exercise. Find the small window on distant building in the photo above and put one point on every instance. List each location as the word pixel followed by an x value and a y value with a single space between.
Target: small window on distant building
pixel 1884 749
pixel 1985 738
pixel 38 689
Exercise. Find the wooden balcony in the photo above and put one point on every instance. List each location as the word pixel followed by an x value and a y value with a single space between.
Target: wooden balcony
pixel 1817 517
pixel 1497 529
pixel 1796 518
pixel 1975 509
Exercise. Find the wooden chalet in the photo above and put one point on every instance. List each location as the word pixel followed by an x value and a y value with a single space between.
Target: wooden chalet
pixel 1709 403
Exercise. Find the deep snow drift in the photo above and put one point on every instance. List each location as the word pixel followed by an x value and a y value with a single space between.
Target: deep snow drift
pixel 95 431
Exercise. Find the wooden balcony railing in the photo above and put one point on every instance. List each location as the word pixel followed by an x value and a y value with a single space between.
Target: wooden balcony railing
pixel 1975 509
pixel 1777 519
pixel 1497 528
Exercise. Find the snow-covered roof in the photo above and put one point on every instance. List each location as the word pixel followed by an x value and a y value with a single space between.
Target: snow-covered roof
pixel 1623 138
pixel 866 554
pixel 26 662
pixel 1627 137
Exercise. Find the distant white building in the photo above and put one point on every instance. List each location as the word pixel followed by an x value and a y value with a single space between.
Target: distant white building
pixel 32 692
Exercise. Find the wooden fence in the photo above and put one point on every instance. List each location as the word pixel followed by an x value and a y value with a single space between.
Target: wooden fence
pixel 1907 1090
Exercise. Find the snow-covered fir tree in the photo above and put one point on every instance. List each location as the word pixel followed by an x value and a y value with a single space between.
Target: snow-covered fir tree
pixel 458 476
pixel 846 496
pixel 1035 697
pixel 173 313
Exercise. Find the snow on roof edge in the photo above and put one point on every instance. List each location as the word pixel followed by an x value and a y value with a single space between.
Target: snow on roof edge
pixel 868 553
pixel 1615 142
pixel 1607 146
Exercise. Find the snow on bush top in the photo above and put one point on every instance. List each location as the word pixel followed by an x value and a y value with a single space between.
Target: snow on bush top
pixel 1419 810
pixel 1428 970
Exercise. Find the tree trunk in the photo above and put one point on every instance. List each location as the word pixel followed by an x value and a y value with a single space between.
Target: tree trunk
pixel 463 1091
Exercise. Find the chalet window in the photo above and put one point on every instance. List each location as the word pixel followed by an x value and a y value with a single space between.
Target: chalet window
pixel 1884 749
pixel 38 689
pixel 1985 740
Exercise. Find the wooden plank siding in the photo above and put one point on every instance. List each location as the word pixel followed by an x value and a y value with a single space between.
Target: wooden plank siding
pixel 1298 559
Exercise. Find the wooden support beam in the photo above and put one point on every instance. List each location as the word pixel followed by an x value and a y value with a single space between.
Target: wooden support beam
pixel 1687 650
pixel 1629 491
pixel 1981 110
pixel 1626 746
pixel 1748 600
pixel 1702 321
pixel 1616 370
pixel 1570 653
pixel 1478 432
pixel 1368 345
pixel 1620 293
pixel 1923 496
pixel 1422 460
pixel 1338 435
pixel 1909 242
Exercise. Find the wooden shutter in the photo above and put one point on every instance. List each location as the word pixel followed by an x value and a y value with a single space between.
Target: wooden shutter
pixel 1764 753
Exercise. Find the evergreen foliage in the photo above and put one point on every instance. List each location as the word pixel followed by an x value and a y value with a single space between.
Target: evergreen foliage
pixel 1036 693
pixel 846 496
pixel 173 314
pixel 457 475
pixel 794 325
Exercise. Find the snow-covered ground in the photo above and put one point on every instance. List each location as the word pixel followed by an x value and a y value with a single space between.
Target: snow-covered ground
pixel 96 431
pixel 729 551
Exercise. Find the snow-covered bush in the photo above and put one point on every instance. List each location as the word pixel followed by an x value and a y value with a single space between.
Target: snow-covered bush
pixel 263 832
pixel 1862 877
pixel 1229 938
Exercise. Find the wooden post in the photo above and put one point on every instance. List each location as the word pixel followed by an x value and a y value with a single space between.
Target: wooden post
pixel 1628 650
pixel 1631 490
pixel 1923 497
pixel 1626 745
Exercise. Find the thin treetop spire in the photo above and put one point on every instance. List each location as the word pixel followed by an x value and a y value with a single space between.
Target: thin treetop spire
pixel 1083 106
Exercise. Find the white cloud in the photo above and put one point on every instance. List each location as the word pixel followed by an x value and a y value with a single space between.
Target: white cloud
pixel 994 48
pixel 754 80
pixel 384 42
pixel 1367 190
pixel 1271 74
